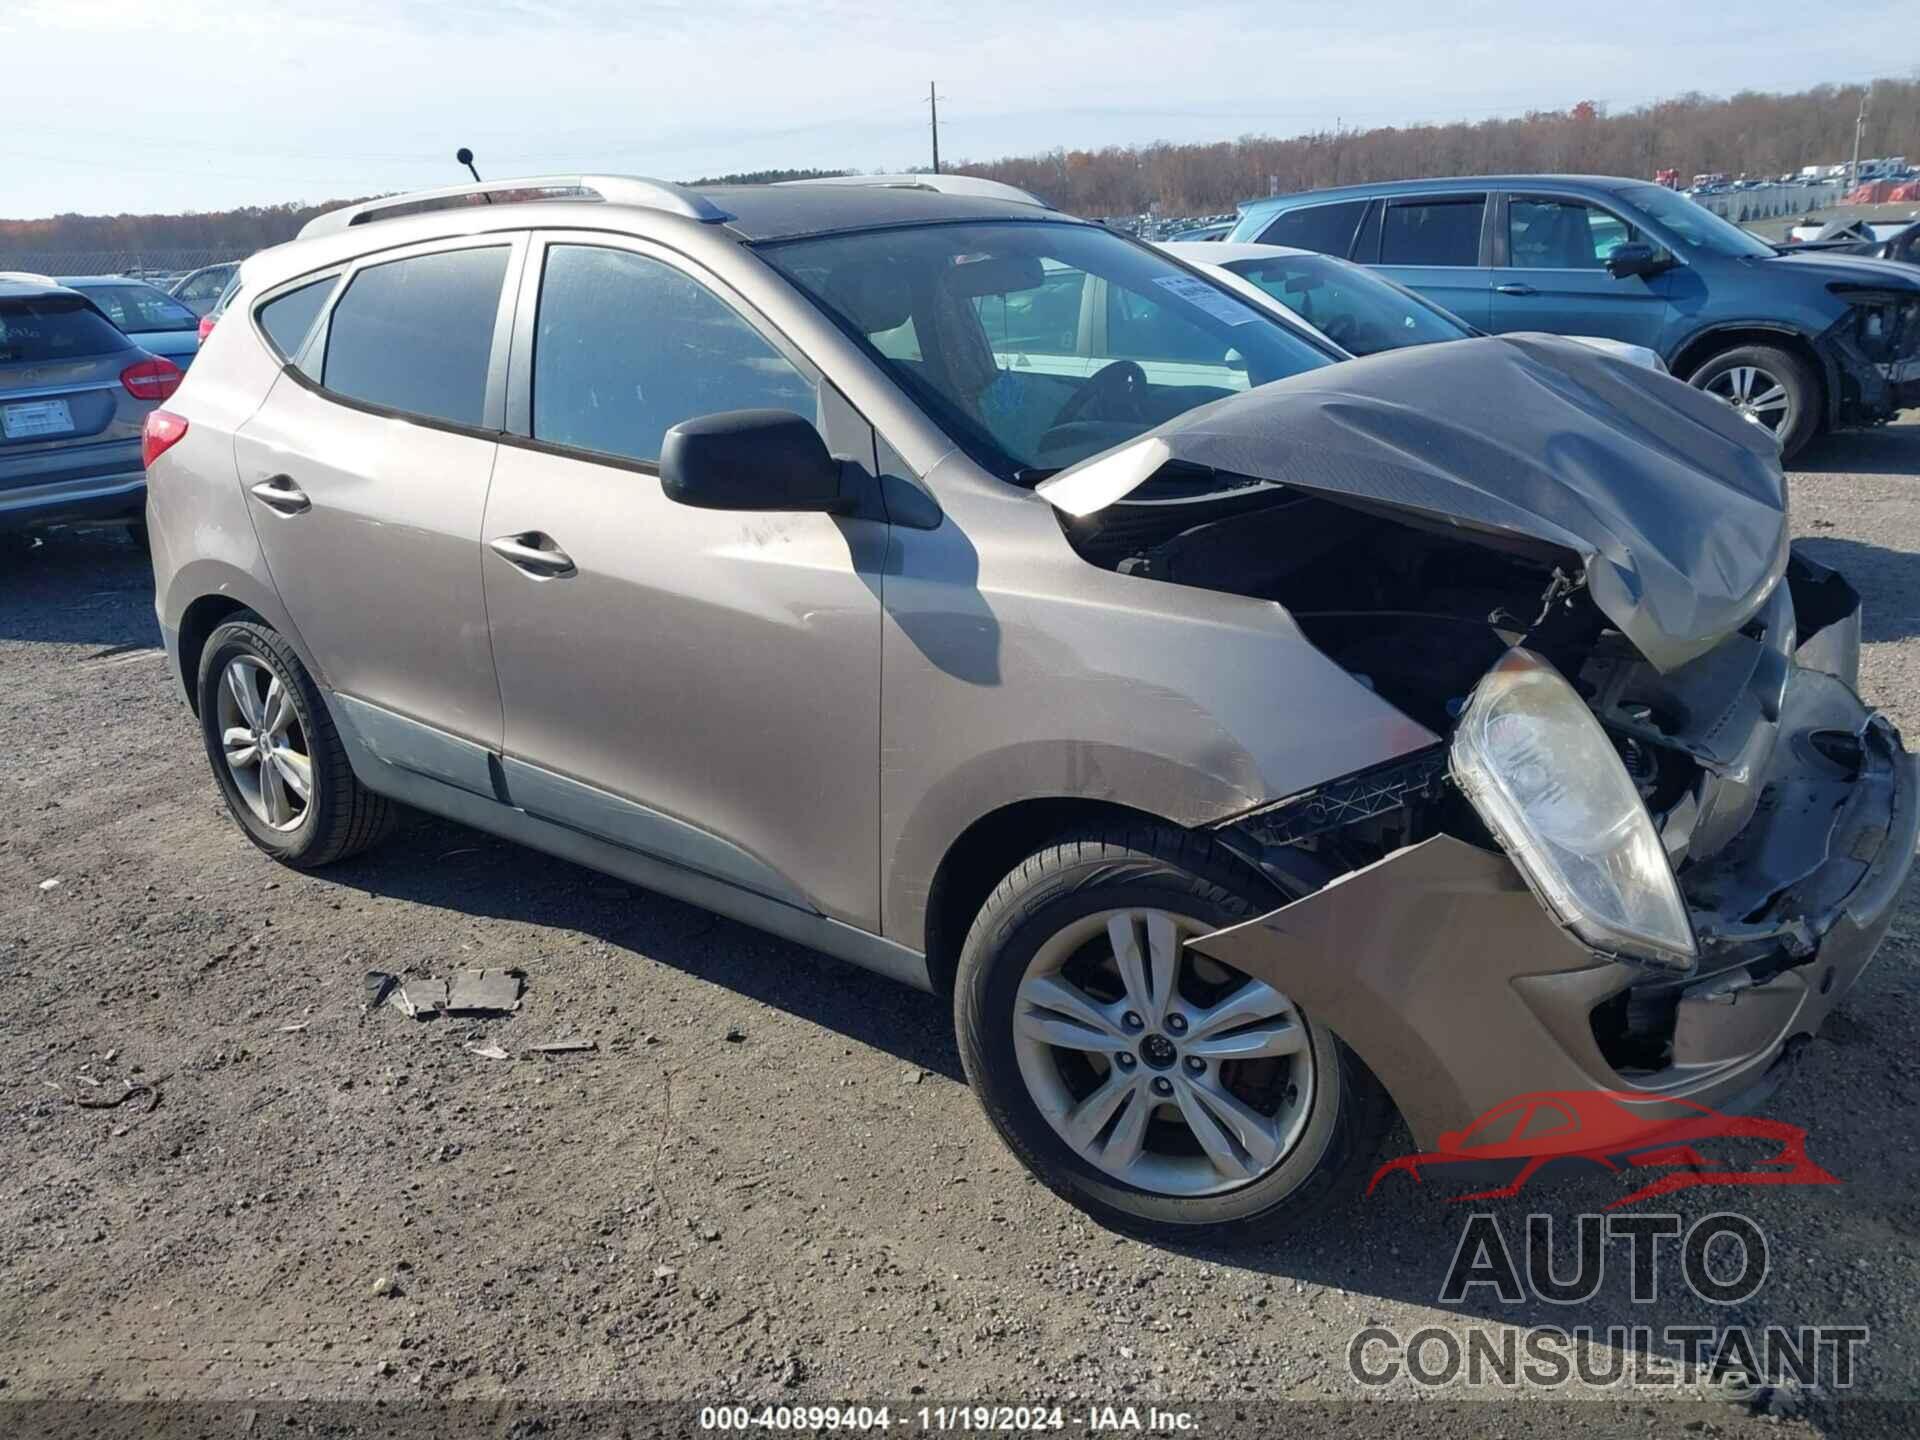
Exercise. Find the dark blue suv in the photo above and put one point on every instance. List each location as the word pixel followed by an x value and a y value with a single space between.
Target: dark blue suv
pixel 1797 342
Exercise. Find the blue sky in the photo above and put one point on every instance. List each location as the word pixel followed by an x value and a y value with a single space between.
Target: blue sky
pixel 203 104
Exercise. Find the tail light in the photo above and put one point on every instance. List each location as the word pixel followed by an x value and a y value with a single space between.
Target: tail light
pixel 161 433
pixel 152 379
pixel 206 328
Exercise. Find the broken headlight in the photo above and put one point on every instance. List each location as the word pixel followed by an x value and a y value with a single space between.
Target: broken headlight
pixel 1550 784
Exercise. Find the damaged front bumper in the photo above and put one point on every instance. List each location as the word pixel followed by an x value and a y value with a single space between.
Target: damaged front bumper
pixel 1451 981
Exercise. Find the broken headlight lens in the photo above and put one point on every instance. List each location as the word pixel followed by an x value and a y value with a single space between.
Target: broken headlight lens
pixel 1549 783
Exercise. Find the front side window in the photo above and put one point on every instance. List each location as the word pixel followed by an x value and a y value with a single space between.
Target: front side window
pixel 416 335
pixel 139 309
pixel 1441 231
pixel 207 285
pixel 1355 308
pixel 627 347
pixel 1038 343
pixel 1325 228
pixel 1555 234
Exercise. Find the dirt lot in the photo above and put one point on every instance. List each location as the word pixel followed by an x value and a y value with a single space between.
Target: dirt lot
pixel 768 1181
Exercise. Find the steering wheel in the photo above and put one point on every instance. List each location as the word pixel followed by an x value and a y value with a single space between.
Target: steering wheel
pixel 1119 390
pixel 1342 329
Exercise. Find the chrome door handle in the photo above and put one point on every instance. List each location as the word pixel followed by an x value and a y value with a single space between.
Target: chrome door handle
pixel 534 553
pixel 278 492
pixel 1515 290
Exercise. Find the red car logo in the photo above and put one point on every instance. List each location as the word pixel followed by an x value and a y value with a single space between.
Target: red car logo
pixel 1615 1128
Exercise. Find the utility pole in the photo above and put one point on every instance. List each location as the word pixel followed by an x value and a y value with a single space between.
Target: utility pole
pixel 1859 124
pixel 933 114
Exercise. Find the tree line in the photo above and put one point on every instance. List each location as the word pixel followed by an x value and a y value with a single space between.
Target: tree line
pixel 1751 133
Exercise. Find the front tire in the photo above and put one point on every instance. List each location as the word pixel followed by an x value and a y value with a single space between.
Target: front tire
pixel 1772 387
pixel 276 755
pixel 1164 1094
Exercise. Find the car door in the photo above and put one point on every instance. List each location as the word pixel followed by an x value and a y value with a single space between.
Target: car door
pixel 1550 272
pixel 366 473
pixel 1435 244
pixel 702 686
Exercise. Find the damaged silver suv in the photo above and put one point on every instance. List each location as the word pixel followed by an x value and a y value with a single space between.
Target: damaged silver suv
pixel 1251 744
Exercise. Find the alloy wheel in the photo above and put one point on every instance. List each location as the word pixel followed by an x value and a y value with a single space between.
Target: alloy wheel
pixel 1159 1066
pixel 264 744
pixel 1757 394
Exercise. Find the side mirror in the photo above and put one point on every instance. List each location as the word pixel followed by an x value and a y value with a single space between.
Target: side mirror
pixel 1635 257
pixel 749 460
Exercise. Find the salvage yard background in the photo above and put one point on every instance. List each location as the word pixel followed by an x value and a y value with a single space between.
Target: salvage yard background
pixel 767 1181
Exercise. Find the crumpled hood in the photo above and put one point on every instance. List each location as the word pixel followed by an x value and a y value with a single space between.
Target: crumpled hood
pixel 1674 505
pixel 1865 272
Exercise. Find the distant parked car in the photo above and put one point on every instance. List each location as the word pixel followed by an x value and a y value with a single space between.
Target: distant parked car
pixel 74 393
pixel 1357 309
pixel 1795 341
pixel 198 290
pixel 1198 233
pixel 153 318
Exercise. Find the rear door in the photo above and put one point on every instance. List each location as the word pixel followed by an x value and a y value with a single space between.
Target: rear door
pixel 66 420
pixel 1551 272
pixel 366 471
pixel 1436 244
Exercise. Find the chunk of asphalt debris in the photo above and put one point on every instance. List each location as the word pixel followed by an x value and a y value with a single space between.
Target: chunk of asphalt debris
pixel 415 998
pixel 735 1034
pixel 379 985
pixel 563 1047
pixel 481 991
pixel 488 1052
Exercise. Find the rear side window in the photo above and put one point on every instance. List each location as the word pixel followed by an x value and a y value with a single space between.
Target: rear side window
pixel 287 318
pixel 416 335
pixel 628 347
pixel 140 308
pixel 54 327
pixel 1326 228
pixel 1433 232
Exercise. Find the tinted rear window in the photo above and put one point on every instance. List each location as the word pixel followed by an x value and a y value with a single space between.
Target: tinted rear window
pixel 140 308
pixel 1433 232
pixel 416 335
pixel 1326 228
pixel 54 327
pixel 287 318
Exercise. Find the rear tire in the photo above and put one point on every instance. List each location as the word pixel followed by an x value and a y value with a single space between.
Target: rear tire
pixel 1170 1174
pixel 1771 386
pixel 248 673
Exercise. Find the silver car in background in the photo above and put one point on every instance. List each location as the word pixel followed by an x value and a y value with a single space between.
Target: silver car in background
pixel 74 394
pixel 1251 741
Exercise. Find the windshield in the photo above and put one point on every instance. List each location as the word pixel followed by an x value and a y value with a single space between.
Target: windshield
pixel 1693 225
pixel 1356 309
pixel 1037 344
pixel 137 308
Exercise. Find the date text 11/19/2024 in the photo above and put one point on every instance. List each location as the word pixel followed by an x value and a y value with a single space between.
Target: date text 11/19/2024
pixel 947 1419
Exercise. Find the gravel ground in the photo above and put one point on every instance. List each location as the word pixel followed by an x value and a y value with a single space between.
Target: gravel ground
pixel 768 1181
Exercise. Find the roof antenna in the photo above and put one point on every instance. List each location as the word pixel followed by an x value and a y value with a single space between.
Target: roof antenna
pixel 464 156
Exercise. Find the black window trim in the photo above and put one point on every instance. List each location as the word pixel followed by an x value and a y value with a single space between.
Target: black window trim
pixel 517 429
pixel 1487 199
pixel 493 405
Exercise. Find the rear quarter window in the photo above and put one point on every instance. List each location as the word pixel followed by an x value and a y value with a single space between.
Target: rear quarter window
pixel 286 319
pixel 1325 228
pixel 54 327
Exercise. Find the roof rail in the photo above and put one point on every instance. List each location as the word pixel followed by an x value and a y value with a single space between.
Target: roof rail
pixel 969 185
pixel 611 189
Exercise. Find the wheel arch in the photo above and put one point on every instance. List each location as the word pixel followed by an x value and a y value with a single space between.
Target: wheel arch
pixel 987 850
pixel 1705 344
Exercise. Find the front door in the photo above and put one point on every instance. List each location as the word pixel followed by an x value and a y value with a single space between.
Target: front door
pixel 699 685
pixel 366 474
pixel 1553 275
